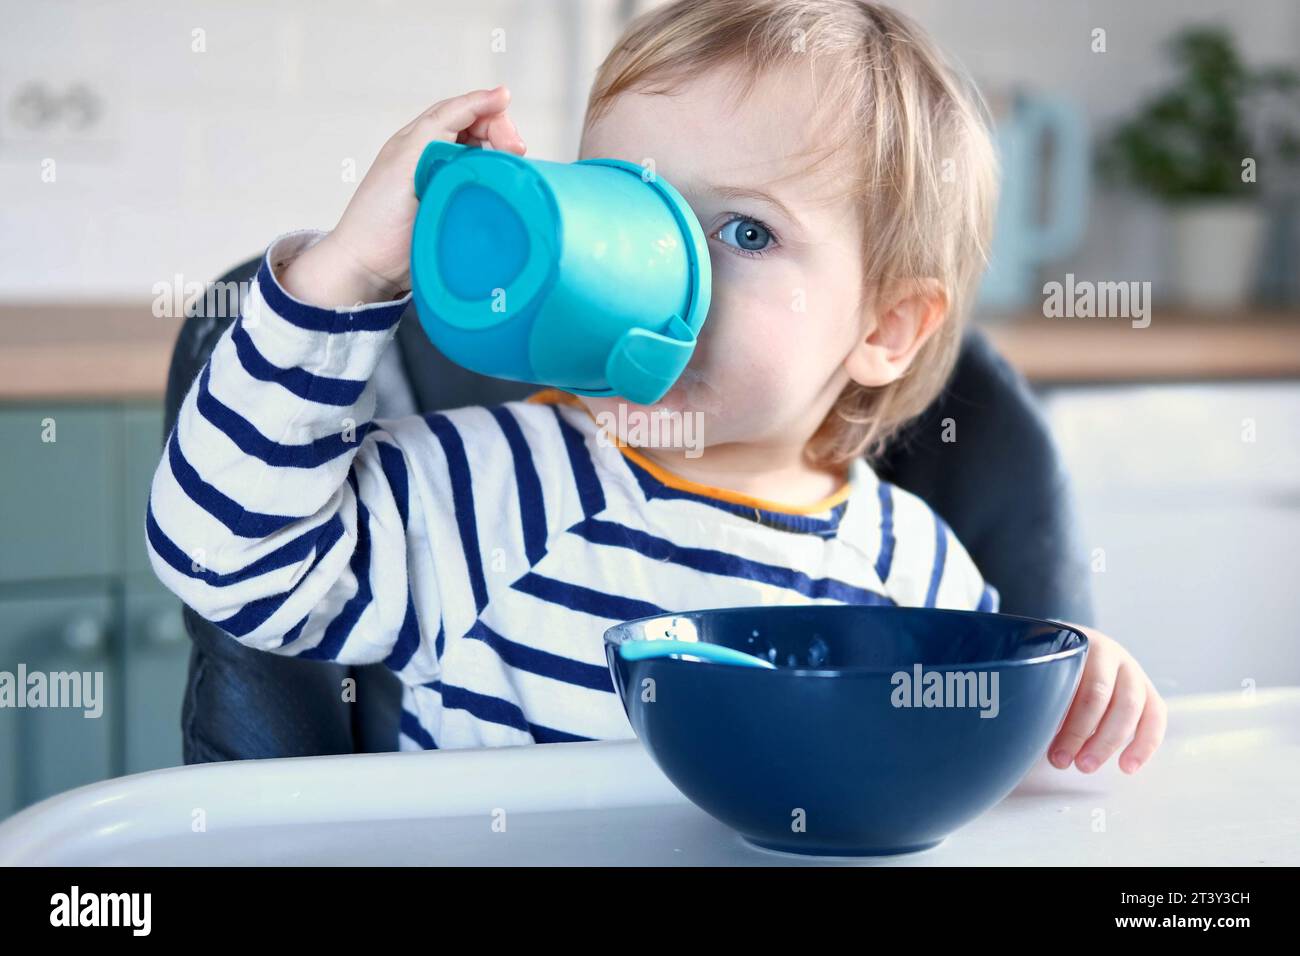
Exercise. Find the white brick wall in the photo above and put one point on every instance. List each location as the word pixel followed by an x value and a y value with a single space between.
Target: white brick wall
pixel 204 157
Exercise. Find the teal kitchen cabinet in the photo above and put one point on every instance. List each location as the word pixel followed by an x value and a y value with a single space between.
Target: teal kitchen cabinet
pixel 157 651
pixel 77 594
pixel 156 646
pixel 142 441
pixel 48 749
pixel 59 515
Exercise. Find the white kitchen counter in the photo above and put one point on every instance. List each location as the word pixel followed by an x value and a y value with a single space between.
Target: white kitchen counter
pixel 1224 789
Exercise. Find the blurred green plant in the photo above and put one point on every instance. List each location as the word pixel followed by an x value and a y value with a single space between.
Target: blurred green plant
pixel 1189 141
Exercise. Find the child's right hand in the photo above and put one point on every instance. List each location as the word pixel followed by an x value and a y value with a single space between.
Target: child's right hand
pixel 367 258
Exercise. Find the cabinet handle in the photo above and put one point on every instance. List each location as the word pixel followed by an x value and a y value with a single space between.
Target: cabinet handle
pixel 85 634
pixel 164 630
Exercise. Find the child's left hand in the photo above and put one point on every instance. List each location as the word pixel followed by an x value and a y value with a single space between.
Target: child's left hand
pixel 1115 701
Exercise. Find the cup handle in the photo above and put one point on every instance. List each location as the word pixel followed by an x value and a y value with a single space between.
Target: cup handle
pixel 644 364
pixel 434 157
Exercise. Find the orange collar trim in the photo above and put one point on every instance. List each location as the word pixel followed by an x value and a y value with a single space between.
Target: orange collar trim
pixel 555 396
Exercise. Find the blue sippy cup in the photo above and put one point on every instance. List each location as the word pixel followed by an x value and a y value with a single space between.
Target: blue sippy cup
pixel 585 276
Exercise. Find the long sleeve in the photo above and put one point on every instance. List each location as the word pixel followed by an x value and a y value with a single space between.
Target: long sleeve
pixel 279 510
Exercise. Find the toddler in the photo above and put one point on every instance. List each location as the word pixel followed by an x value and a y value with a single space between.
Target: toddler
pixel 846 180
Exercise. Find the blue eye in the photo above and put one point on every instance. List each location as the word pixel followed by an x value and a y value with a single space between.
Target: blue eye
pixel 748 235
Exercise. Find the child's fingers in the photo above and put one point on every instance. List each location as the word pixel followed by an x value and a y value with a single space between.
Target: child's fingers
pixel 497 132
pixel 504 135
pixel 477 130
pixel 1089 704
pixel 1119 722
pixel 1150 733
pixel 424 113
pixel 458 113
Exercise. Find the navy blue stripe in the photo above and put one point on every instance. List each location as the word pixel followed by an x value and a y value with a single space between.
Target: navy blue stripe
pixel 440 641
pixel 393 463
pixel 255 613
pixel 711 561
pixel 940 558
pixel 294 632
pixel 252 442
pixel 543 663
pixel 340 629
pixel 246 524
pixel 252 615
pixel 548 735
pixel 885 559
pixel 375 319
pixel 590 493
pixel 989 599
pixel 408 638
pixel 494 710
pixel 826 527
pixel 462 497
pixel 578 598
pixel 411 727
pixel 314 388
pixel 532 508
pixel 321 538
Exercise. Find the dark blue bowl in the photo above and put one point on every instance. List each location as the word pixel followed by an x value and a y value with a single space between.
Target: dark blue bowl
pixel 882 730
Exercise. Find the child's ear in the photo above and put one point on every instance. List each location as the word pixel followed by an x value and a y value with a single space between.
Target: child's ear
pixel 894 330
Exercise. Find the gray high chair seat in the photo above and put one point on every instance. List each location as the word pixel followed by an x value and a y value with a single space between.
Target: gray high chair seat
pixel 1001 488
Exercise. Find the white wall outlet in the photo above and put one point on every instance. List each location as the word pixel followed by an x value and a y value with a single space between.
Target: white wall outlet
pixel 41 114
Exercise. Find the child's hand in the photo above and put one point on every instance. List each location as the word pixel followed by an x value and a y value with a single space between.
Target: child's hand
pixel 1115 701
pixel 367 256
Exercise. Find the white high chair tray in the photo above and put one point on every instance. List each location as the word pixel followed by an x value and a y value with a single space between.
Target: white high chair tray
pixel 1224 789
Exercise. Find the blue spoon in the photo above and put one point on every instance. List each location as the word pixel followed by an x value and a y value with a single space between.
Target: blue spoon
pixel 717 653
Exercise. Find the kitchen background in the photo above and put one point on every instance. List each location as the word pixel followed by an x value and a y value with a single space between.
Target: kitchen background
pixel 149 146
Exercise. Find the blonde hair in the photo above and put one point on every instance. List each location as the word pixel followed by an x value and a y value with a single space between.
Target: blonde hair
pixel 923 174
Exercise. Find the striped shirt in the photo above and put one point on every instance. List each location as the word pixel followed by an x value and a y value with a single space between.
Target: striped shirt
pixel 480 553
